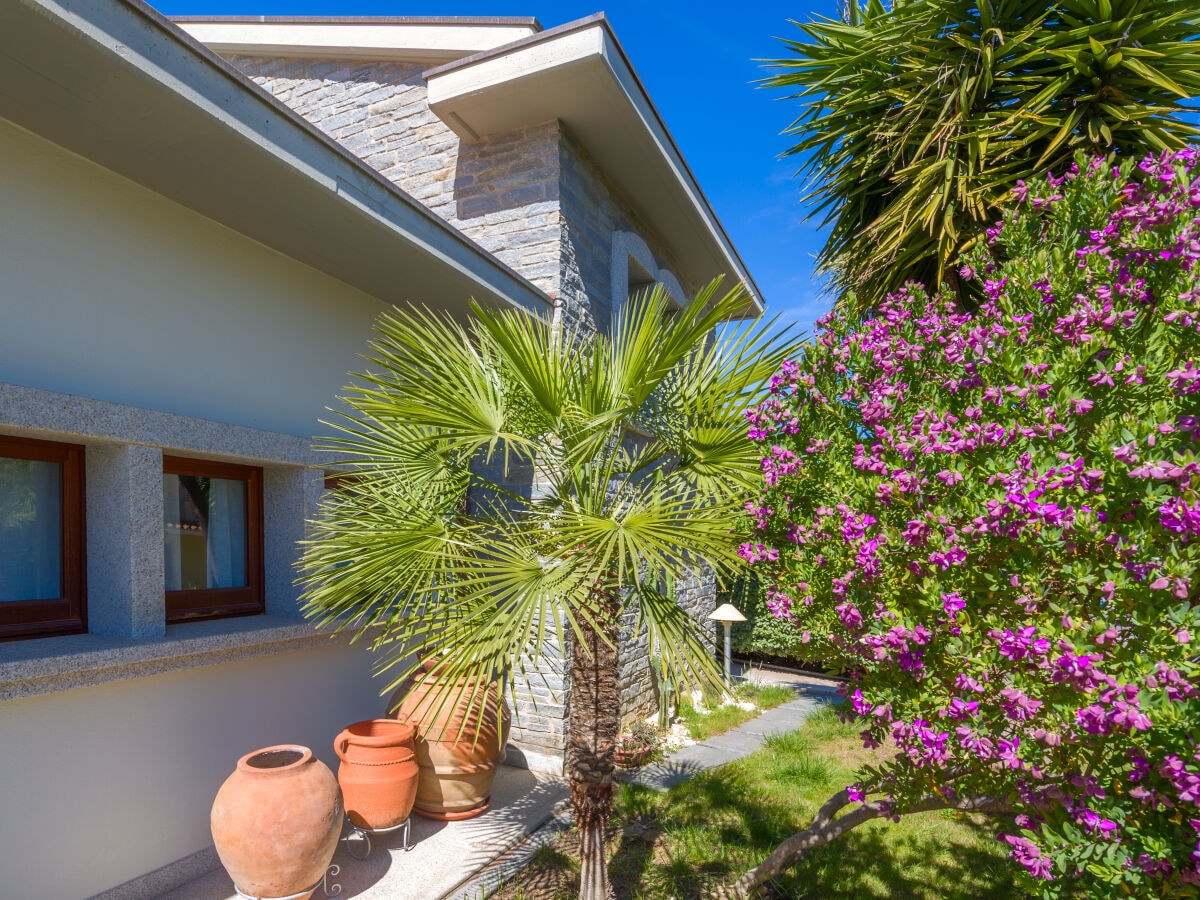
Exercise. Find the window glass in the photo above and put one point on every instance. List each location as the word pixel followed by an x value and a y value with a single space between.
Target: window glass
pixel 43 588
pixel 204 523
pixel 212 539
pixel 31 564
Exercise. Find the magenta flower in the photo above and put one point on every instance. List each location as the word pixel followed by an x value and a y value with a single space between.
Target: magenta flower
pixel 1039 453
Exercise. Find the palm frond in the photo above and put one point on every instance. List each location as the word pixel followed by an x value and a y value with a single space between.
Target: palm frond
pixel 506 479
pixel 918 118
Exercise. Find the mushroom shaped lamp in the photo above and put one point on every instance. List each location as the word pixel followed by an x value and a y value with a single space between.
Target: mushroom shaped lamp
pixel 727 614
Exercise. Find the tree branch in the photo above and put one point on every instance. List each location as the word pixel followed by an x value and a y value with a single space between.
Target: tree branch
pixel 824 828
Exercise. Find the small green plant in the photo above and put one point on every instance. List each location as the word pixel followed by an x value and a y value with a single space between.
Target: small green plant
pixel 637 746
pixel 640 734
pixel 665 688
pixel 765 696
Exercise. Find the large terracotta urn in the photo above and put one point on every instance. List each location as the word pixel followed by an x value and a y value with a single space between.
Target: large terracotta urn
pixel 460 742
pixel 378 773
pixel 276 822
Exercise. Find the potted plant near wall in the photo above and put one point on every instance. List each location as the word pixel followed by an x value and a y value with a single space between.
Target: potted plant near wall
pixel 636 747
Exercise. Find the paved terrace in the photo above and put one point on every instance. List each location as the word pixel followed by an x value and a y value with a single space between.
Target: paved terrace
pixel 467 860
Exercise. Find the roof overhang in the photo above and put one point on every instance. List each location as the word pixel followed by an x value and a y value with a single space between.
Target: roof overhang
pixel 115 82
pixel 579 74
pixel 427 39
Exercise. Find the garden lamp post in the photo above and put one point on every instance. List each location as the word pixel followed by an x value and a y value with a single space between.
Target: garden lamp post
pixel 727 614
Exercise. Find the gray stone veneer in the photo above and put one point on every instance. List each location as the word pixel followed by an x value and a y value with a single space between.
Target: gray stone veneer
pixel 591 214
pixel 538 739
pixel 532 197
pixel 501 192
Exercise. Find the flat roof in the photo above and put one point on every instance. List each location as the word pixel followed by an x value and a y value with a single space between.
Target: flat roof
pixel 118 84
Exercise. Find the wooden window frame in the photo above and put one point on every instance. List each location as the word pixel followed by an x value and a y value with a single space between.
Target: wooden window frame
pixel 224 603
pixel 66 614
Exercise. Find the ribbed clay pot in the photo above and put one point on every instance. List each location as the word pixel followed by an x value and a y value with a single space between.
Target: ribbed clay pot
pixel 631 758
pixel 276 821
pixel 378 773
pixel 458 749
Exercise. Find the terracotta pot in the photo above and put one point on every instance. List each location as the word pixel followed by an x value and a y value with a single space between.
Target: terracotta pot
pixel 276 822
pixel 378 773
pixel 632 757
pixel 457 752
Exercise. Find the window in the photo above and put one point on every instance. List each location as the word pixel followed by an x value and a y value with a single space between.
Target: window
pixel 634 270
pixel 212 539
pixel 42 588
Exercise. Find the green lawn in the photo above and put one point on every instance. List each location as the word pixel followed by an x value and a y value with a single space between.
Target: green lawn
pixel 719 719
pixel 708 831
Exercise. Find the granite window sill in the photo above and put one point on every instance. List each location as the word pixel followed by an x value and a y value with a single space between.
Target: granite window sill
pixel 46 665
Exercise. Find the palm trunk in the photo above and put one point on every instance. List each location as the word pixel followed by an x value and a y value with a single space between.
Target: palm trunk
pixel 594 717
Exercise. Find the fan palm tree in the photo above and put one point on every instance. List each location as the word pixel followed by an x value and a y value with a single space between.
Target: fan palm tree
pixel 919 116
pixel 637 444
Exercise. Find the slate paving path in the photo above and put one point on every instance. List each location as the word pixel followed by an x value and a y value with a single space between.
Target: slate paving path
pixel 733 744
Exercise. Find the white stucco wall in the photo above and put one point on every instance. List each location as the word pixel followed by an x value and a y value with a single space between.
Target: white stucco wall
pixel 113 292
pixel 110 291
pixel 104 784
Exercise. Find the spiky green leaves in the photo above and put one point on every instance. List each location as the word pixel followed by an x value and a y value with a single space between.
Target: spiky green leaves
pixel 505 476
pixel 918 118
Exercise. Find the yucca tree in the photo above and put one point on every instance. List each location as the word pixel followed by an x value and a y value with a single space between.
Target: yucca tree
pixel 636 442
pixel 919 116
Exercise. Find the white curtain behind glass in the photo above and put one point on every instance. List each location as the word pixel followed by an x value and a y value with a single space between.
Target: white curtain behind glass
pixel 172 546
pixel 204 540
pixel 30 529
pixel 226 533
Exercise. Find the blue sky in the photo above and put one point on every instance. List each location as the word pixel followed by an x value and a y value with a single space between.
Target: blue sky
pixel 698 63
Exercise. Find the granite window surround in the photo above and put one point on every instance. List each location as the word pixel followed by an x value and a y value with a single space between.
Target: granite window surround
pixel 128 636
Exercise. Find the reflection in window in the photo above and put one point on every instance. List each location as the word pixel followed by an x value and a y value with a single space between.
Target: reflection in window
pixel 204 532
pixel 30 529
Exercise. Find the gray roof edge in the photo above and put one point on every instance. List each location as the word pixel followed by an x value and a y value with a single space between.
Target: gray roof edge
pixel 520 43
pixel 691 176
pixel 602 20
pixel 528 21
pixel 172 32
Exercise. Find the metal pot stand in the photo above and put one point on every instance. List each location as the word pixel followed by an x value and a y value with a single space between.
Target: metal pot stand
pixel 358 833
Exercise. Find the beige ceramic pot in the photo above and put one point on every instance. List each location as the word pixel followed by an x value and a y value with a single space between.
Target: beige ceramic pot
pixel 378 773
pixel 460 745
pixel 276 822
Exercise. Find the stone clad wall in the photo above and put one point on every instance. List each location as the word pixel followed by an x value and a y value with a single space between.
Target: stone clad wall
pixel 696 592
pixel 501 192
pixel 591 213
pixel 539 729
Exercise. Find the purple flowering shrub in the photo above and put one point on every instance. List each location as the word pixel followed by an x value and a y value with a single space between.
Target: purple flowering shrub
pixel 991 521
